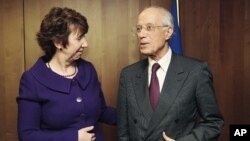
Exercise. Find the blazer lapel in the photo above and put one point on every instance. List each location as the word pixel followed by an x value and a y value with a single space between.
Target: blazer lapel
pixel 172 84
pixel 141 90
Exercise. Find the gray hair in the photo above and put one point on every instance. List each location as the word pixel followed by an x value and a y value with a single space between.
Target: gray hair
pixel 167 18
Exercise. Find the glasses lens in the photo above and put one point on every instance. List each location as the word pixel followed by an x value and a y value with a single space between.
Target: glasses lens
pixel 149 27
pixel 138 28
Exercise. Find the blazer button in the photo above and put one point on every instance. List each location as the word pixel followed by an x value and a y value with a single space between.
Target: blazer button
pixel 73 81
pixel 78 99
pixel 82 116
pixel 176 120
pixel 135 121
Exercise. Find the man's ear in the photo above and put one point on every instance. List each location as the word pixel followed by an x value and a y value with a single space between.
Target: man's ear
pixel 169 33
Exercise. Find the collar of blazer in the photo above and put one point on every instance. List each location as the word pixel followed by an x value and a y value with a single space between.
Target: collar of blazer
pixel 58 83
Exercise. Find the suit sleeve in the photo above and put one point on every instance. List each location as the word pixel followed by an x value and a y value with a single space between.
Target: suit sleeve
pixel 29 113
pixel 211 120
pixel 123 133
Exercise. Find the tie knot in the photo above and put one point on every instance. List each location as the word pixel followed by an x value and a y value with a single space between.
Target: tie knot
pixel 155 67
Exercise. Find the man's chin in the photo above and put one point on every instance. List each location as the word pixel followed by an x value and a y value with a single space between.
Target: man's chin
pixel 145 53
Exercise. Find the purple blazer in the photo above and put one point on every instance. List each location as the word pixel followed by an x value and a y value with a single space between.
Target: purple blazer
pixel 54 108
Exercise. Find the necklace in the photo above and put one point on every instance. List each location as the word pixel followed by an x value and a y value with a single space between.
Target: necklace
pixel 66 76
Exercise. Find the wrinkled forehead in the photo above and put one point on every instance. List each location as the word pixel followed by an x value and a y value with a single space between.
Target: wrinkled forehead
pixel 150 15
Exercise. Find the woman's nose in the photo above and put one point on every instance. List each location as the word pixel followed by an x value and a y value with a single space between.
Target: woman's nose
pixel 84 43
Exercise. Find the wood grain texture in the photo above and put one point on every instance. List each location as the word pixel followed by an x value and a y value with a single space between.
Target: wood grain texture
pixel 12 65
pixel 218 32
pixel 246 59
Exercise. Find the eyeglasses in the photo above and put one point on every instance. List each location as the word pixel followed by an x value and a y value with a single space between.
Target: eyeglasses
pixel 147 27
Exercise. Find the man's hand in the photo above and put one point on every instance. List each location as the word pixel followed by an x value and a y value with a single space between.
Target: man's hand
pixel 166 137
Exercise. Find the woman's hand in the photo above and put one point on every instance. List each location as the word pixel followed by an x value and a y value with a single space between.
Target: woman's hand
pixel 166 137
pixel 85 135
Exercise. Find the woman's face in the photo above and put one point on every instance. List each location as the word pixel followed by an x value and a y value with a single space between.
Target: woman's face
pixel 75 47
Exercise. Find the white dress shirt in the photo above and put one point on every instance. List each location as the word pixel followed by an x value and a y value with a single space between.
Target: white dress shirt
pixel 162 71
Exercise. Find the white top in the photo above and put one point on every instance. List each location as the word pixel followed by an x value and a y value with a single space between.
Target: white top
pixel 162 71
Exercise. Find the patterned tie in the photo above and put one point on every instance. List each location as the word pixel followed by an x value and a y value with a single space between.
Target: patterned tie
pixel 154 88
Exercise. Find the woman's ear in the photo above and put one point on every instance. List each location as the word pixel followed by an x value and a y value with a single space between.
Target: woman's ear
pixel 169 33
pixel 58 43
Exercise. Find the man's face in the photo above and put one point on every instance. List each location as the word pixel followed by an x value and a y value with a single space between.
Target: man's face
pixel 153 36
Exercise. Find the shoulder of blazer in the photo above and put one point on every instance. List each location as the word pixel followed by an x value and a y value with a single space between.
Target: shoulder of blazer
pixel 186 63
pixel 136 67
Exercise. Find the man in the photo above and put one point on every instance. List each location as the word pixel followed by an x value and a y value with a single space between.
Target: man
pixel 175 100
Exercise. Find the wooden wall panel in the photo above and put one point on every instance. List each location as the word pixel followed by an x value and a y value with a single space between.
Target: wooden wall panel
pixel 246 59
pixel 162 3
pixel 2 94
pixel 234 39
pixel 218 32
pixel 117 47
pixel 12 65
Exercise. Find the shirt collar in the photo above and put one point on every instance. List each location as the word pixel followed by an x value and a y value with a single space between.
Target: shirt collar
pixel 163 62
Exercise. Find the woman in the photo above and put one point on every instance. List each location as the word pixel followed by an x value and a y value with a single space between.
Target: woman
pixel 60 98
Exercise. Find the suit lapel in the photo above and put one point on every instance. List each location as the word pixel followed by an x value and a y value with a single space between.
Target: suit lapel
pixel 141 90
pixel 172 84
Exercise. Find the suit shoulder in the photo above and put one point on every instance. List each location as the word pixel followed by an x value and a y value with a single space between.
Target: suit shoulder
pixel 189 62
pixel 135 66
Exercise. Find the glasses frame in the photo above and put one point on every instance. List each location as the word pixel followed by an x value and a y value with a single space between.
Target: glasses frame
pixel 147 27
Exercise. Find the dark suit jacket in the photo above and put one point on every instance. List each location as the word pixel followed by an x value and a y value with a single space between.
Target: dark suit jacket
pixel 54 108
pixel 187 109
